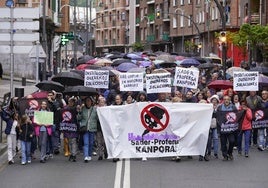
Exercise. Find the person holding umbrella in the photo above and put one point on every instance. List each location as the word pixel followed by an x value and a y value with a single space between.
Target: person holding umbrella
pixel 87 115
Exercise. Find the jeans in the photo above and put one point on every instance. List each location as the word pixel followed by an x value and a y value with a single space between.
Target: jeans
pixel 213 139
pixel 25 151
pixel 73 146
pixel 227 139
pixel 247 136
pixel 261 137
pixel 43 144
pixel 55 138
pixel 88 139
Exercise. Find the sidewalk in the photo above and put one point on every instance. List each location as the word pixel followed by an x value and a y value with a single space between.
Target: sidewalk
pixel 5 88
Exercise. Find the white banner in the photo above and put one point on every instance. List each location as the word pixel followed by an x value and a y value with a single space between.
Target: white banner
pixel 186 77
pixel 246 81
pixel 97 78
pixel 155 129
pixel 131 81
pixel 158 83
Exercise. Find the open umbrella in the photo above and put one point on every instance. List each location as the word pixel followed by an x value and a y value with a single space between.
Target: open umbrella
pixel 137 70
pixel 220 84
pixel 145 63
pixel 189 62
pixel 263 80
pixel 166 58
pixel 231 70
pixel 68 79
pixel 260 69
pixel 120 61
pixel 80 72
pixel 48 85
pixel 84 59
pixel 103 62
pixel 207 65
pixel 124 67
pixel 80 91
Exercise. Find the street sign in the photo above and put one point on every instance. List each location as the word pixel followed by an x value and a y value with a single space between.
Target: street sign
pixel 41 52
pixel 5 49
pixel 31 37
pixel 30 25
pixel 19 13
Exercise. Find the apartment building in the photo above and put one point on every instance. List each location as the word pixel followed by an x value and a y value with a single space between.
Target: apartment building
pixel 174 25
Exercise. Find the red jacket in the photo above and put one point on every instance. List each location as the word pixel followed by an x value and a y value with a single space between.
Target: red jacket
pixel 246 124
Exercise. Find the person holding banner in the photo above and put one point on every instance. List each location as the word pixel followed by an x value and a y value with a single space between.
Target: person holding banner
pixel 227 136
pixel 87 115
pixel 69 127
pixel 254 102
pixel 245 129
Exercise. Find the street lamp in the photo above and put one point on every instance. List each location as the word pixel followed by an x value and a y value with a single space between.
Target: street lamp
pixel 181 21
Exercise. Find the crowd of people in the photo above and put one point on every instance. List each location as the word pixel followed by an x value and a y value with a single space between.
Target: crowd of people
pixel 88 137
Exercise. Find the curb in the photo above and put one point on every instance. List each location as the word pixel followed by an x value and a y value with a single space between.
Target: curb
pixel 6 77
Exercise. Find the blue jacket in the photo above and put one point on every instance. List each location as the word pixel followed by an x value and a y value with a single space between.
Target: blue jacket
pixel 8 119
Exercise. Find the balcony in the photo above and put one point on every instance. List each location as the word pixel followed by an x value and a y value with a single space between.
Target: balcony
pixel 138 20
pixel 105 42
pixel 165 37
pixel 114 41
pixel 150 38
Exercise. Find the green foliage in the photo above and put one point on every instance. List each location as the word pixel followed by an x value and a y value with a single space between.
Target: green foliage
pixel 189 46
pixel 137 46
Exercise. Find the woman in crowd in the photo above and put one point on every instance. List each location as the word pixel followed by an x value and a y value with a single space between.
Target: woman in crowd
pixel 42 132
pixel 87 115
pixel 245 129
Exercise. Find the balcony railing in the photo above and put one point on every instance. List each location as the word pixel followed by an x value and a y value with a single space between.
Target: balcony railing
pixel 114 41
pixel 138 20
pixel 165 37
pixel 105 42
pixel 255 18
pixel 150 38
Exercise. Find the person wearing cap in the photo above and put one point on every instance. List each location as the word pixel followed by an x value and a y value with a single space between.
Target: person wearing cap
pixel 87 115
pixel 227 138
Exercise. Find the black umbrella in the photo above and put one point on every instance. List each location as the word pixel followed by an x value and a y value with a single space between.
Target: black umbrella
pixel 207 65
pixel 68 79
pixel 84 59
pixel 80 91
pixel 80 72
pixel 110 69
pixel 48 85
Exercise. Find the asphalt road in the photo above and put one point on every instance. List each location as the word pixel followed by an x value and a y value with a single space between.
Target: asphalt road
pixel 154 173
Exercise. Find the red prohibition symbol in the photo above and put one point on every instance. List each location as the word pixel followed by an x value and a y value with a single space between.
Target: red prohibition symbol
pixel 154 117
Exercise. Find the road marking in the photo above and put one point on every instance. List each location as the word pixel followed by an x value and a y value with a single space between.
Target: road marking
pixel 126 182
pixel 118 172
pixel 119 175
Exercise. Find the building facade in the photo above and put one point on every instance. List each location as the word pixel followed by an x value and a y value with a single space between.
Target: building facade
pixel 181 26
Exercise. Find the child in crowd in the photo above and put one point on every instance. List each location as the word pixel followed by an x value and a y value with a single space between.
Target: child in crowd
pixel 26 131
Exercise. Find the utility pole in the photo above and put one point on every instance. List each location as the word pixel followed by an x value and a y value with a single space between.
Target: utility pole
pixel 75 33
pixel 44 41
pixel 224 46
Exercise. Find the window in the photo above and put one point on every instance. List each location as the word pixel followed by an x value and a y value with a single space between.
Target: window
pixel 182 2
pixel 189 20
pixel 175 2
pixel 181 21
pixel 174 22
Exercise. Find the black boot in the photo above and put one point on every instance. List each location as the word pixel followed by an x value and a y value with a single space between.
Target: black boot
pixel 74 158
pixel 71 158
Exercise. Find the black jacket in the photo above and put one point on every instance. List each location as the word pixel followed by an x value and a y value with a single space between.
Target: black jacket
pixel 26 132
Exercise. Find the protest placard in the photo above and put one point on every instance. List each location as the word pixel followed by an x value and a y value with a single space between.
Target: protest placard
pixel 158 83
pixel 246 81
pixel 97 78
pixel 186 77
pixel 43 117
pixel 131 81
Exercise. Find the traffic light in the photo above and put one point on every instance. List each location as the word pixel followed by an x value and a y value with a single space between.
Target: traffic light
pixel 64 39
pixel 223 37
pixel 158 13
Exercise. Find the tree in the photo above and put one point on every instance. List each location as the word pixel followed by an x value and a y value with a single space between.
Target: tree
pixel 137 46
pixel 254 35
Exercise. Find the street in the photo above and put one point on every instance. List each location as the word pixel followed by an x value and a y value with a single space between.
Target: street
pixel 153 173
pixel 135 173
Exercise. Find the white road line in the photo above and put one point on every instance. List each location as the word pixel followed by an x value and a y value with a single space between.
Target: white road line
pixel 118 173
pixel 126 182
